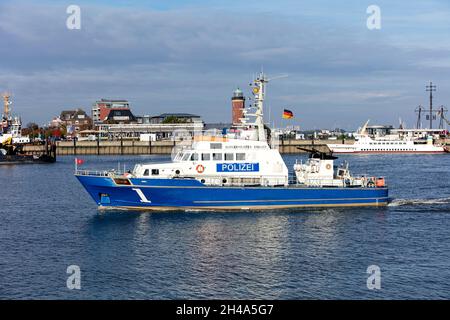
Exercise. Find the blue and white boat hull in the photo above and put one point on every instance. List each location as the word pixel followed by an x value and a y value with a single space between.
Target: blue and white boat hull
pixel 175 194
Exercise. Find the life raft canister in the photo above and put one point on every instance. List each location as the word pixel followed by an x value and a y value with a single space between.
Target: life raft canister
pixel 200 168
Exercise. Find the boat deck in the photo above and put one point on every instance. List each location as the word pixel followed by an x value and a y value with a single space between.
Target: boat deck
pixel 125 178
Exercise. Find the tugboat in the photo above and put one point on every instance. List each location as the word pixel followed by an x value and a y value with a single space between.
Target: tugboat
pixel 10 126
pixel 241 172
pixel 13 154
pixel 12 142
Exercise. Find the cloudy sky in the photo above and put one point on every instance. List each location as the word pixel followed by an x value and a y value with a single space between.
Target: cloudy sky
pixel 188 56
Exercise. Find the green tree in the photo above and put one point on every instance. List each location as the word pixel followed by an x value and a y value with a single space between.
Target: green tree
pixel 32 126
pixel 173 119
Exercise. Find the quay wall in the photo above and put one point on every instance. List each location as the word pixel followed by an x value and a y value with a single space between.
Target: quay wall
pixel 130 147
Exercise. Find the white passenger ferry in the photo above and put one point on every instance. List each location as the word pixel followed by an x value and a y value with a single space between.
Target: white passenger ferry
pixel 388 144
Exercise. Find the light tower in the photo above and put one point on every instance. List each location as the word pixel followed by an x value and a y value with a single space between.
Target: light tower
pixel 237 106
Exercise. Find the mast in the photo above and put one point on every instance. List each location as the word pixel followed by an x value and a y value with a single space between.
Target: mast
pixel 259 91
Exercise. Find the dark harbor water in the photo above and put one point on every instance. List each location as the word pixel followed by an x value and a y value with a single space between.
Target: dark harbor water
pixel 48 222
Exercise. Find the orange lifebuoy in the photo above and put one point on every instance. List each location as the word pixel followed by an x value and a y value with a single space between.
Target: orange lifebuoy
pixel 380 182
pixel 200 168
pixel 328 166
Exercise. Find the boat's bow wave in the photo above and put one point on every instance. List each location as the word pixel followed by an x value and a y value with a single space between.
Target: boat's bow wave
pixel 418 202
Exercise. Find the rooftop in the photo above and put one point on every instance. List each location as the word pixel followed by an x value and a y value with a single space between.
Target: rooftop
pixel 113 100
pixel 178 115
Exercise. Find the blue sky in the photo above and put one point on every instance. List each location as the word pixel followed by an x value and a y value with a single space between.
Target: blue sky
pixel 188 56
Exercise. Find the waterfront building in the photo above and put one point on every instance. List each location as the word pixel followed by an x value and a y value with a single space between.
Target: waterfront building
pixel 162 130
pixel 162 126
pixel 119 116
pixel 217 126
pixel 102 107
pixel 169 118
pixel 56 122
pixel 75 121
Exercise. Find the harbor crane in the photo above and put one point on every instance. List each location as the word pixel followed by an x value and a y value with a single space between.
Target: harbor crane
pixel 6 104
pixel 441 114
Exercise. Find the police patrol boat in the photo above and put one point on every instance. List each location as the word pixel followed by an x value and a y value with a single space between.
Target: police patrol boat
pixel 234 171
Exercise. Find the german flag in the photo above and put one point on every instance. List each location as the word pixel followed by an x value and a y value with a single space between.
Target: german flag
pixel 287 114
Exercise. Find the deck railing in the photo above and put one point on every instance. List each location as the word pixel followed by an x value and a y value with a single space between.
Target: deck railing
pixel 102 173
pixel 252 181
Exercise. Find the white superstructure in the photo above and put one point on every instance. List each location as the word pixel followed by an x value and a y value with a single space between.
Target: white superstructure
pixel 387 144
pixel 222 161
pixel 11 126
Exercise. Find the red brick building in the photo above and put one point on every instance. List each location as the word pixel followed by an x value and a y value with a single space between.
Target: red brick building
pixel 237 105
pixel 75 121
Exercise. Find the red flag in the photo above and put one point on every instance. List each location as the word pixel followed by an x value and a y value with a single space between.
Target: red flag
pixel 79 161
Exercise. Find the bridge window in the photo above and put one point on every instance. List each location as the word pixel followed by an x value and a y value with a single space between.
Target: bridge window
pixel 146 172
pixel 229 156
pixel 216 146
pixel 186 156
pixel 217 156
pixel 206 156
pixel 155 172
pixel 194 157
pixel 240 156
pixel 179 156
